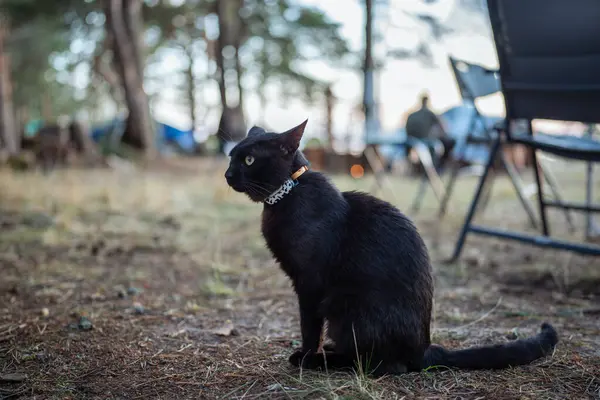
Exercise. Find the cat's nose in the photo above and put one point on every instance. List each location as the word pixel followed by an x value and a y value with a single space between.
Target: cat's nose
pixel 228 174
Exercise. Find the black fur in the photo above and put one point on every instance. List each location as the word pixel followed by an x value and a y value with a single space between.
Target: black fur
pixel 358 263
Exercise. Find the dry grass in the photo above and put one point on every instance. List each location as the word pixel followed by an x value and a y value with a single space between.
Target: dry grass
pixel 186 302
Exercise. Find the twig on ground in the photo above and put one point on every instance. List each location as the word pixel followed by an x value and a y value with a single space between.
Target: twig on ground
pixel 484 316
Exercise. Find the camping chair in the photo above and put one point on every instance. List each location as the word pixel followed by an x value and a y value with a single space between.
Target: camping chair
pixel 422 149
pixel 475 81
pixel 549 69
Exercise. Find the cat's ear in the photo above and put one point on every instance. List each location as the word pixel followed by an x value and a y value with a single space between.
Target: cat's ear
pixel 290 140
pixel 255 130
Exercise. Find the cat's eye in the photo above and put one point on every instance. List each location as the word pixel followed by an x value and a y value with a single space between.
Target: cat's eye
pixel 249 160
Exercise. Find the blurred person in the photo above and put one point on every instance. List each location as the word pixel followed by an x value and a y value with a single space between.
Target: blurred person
pixel 426 126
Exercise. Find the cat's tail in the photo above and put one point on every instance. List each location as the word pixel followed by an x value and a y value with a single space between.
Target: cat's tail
pixel 517 352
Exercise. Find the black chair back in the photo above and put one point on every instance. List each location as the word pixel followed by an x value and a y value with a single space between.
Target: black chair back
pixel 549 57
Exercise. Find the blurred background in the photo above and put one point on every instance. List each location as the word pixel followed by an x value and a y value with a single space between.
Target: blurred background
pixel 190 76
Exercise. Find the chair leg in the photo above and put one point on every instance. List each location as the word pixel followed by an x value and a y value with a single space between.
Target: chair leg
pixel 416 205
pixel 455 170
pixel 452 180
pixel 555 187
pixel 591 229
pixel 467 224
pixel 516 181
pixel 449 188
pixel 487 193
pixel 538 182
pixel 540 192
pixel 432 176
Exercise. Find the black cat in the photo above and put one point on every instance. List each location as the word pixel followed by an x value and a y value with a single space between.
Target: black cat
pixel 356 262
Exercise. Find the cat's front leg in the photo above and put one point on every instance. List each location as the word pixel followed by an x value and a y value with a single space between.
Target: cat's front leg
pixel 329 347
pixel 311 326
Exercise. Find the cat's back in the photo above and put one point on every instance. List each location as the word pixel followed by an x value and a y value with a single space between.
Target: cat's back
pixel 378 228
pixel 366 210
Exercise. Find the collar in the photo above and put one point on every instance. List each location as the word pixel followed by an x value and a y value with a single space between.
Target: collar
pixel 287 187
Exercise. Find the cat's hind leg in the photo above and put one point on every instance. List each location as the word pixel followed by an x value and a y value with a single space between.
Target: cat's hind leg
pixel 338 361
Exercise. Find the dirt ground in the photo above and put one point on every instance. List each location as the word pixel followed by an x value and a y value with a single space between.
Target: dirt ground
pixel 157 285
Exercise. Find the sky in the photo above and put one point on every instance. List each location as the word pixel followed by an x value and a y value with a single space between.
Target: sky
pixel 398 85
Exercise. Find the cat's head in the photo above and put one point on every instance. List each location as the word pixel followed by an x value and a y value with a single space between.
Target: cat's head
pixel 263 161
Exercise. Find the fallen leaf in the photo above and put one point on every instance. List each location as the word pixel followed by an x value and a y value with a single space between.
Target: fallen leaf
pixel 278 387
pixel 226 330
pixel 138 308
pixel 97 296
pixel 85 324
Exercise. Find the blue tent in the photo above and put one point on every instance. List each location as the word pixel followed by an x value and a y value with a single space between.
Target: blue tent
pixel 183 139
pixel 98 132
pixel 166 135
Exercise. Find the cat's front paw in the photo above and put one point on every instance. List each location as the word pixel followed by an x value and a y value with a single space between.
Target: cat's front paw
pixel 329 348
pixel 307 359
pixel 296 358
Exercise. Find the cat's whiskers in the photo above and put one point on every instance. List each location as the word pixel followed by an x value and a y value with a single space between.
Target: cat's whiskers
pixel 263 185
pixel 256 187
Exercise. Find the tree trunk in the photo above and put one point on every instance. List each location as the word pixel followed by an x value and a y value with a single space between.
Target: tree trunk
pixel 231 126
pixel 107 70
pixel 329 100
pixel 369 66
pixel 8 132
pixel 47 110
pixel 191 86
pixel 239 73
pixel 52 146
pixel 121 22
pixel 221 44
pixel 135 25
pixel 222 132
pixel 82 141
